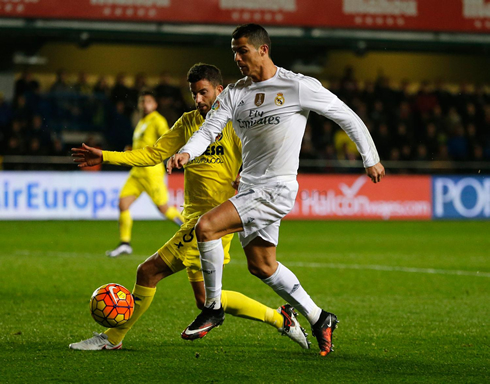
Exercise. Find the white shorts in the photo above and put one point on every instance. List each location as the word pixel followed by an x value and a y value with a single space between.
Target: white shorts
pixel 261 209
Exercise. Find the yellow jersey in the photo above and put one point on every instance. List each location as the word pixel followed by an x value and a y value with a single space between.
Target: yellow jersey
pixel 147 132
pixel 208 178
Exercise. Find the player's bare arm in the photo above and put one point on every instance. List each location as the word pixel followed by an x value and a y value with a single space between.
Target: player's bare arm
pixel 376 172
pixel 177 161
pixel 86 156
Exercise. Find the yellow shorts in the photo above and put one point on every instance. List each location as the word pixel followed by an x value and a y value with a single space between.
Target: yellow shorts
pixel 181 251
pixel 153 186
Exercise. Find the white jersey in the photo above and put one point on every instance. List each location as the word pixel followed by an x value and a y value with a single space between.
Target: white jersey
pixel 270 118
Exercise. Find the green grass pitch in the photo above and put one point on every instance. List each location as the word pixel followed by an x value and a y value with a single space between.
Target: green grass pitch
pixel 413 300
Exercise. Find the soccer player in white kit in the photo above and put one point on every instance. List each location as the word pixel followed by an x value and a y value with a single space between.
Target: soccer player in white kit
pixel 269 108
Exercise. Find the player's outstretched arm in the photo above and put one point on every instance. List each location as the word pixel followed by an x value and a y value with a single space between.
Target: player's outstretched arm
pixel 177 161
pixel 376 172
pixel 86 156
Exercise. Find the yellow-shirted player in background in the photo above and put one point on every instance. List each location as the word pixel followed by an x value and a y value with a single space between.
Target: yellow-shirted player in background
pixel 208 181
pixel 149 179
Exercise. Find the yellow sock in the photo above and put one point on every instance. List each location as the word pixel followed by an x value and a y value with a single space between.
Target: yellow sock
pixel 143 296
pixel 125 225
pixel 174 215
pixel 237 304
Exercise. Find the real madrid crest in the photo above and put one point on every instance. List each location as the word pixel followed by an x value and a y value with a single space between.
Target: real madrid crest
pixel 279 100
pixel 259 99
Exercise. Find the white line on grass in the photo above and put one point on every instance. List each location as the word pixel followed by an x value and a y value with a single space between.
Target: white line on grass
pixel 73 254
pixel 387 268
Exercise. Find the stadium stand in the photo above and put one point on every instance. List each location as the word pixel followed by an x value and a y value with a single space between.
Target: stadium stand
pixel 418 123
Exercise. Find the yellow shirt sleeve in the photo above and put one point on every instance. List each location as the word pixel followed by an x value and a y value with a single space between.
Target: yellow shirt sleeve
pixel 237 142
pixel 162 127
pixel 168 144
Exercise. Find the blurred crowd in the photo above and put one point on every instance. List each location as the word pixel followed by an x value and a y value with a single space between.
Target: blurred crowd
pixel 34 123
pixel 412 122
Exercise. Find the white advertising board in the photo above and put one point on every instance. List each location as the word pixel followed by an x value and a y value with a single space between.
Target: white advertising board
pixel 71 196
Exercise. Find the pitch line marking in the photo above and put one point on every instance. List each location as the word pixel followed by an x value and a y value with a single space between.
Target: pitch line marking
pixel 373 267
pixel 389 268
pixel 73 254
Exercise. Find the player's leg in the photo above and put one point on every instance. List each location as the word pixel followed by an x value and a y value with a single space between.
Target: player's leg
pixel 210 228
pixel 171 213
pixel 237 304
pixel 208 231
pixel 218 222
pixel 125 219
pixel 158 193
pixel 284 318
pixel 125 227
pixel 235 215
pixel 261 209
pixel 148 275
pixel 129 193
pixel 234 303
pixel 261 258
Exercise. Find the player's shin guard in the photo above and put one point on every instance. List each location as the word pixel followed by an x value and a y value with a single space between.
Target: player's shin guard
pixel 286 284
pixel 143 296
pixel 212 258
pixel 237 304
pixel 125 226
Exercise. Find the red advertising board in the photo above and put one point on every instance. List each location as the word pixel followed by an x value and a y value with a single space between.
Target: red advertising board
pixel 418 15
pixel 346 197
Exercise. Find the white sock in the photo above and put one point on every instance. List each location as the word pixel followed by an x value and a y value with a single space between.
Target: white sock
pixel 212 258
pixel 286 284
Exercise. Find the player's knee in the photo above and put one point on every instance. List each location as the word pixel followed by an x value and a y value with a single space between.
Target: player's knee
pixel 163 208
pixel 123 205
pixel 204 230
pixel 260 271
pixel 144 271
pixel 148 274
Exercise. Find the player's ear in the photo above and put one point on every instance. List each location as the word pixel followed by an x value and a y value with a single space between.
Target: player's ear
pixel 264 50
pixel 219 89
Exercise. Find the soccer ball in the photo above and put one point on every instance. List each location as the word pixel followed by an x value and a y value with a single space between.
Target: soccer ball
pixel 111 305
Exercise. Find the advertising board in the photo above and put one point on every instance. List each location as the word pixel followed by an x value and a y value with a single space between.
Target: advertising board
pixel 94 196
pixel 403 15
pixel 457 197
pixel 72 196
pixel 346 197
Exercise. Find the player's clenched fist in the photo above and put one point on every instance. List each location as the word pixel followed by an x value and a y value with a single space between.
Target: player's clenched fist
pixel 177 161
pixel 376 172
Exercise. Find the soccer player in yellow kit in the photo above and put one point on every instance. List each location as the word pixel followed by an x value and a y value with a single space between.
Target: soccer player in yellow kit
pixel 209 181
pixel 148 179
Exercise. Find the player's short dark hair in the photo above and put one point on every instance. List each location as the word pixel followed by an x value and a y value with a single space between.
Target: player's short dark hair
pixel 148 92
pixel 201 71
pixel 256 35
